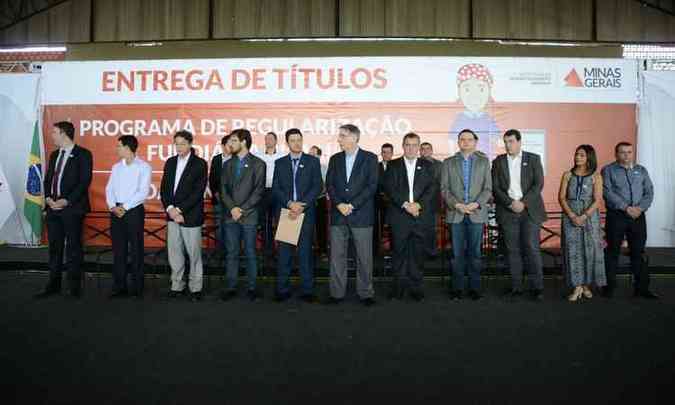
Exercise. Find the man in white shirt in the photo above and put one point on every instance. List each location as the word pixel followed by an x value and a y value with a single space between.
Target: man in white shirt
pixel 517 183
pixel 127 188
pixel 410 185
pixel 182 192
pixel 267 208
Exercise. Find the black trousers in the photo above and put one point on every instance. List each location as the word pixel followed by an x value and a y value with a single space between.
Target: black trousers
pixel 127 243
pixel 409 253
pixel 65 232
pixel 620 226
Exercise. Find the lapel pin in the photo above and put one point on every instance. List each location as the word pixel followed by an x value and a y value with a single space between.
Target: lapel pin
pixel 301 166
pixel 524 163
pixel 419 167
pixel 245 165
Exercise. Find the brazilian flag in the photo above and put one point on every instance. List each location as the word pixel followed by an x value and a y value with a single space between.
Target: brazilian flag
pixel 34 198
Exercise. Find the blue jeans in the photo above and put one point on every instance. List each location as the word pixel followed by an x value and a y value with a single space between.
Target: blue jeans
pixel 234 234
pixel 305 262
pixel 466 239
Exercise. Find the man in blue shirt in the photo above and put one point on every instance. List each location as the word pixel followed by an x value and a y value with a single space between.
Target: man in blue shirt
pixel 628 192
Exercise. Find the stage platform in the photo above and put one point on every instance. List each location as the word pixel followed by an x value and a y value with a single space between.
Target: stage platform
pixel 161 351
pixel 99 259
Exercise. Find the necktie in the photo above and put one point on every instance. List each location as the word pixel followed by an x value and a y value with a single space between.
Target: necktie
pixel 237 168
pixel 57 174
pixel 295 171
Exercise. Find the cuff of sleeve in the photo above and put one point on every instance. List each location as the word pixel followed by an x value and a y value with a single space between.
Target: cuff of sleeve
pixel 169 208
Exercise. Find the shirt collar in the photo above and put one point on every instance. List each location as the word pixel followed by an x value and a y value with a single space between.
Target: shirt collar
pixel 68 150
pixel 352 154
pixel 295 155
pixel 410 161
pixel 518 156
pixel 133 162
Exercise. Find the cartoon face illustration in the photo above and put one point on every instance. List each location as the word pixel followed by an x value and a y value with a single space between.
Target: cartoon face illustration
pixel 474 94
pixel 474 83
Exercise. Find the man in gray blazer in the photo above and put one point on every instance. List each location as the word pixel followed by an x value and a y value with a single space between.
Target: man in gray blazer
pixel 466 187
pixel 517 180
pixel 241 190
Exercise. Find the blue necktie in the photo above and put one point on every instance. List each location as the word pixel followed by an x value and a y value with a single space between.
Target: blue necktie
pixel 295 171
pixel 237 168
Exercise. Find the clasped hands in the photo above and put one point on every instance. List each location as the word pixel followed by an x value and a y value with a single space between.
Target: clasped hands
pixel 295 208
pixel 176 215
pixel 412 208
pixel 467 209
pixel 56 205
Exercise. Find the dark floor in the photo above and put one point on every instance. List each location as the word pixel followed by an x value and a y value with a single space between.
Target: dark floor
pixel 157 351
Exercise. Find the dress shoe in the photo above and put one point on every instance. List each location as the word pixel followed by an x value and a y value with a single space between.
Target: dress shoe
pixel 118 294
pixel 175 294
pixel 227 295
pixel 396 294
pixel 282 297
pixel 417 296
pixel 75 294
pixel 513 295
pixel 647 294
pixel 47 293
pixel 369 302
pixel 537 295
pixel 308 298
pixel 475 295
pixel 333 301
pixel 196 296
pixel 455 295
pixel 252 295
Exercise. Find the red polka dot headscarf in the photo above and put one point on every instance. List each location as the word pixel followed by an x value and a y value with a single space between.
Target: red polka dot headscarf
pixel 476 71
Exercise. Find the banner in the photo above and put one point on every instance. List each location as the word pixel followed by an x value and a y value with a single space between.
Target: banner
pixel 556 103
pixel 19 107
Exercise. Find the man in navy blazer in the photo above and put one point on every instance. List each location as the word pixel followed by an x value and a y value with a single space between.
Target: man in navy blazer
pixel 296 185
pixel 351 183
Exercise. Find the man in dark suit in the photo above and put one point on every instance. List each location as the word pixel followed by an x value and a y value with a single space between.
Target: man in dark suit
pixel 66 188
pixel 410 184
pixel 351 183
pixel 517 182
pixel 381 201
pixel 296 185
pixel 182 193
pixel 241 190
pixel 214 187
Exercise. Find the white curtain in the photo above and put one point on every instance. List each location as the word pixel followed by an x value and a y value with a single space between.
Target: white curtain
pixel 656 151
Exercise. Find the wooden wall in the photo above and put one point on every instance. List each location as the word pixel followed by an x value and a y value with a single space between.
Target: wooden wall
pixel 82 21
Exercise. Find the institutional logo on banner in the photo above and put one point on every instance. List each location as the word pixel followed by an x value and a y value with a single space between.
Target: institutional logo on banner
pixel 7 206
pixel 595 77
pixel 34 196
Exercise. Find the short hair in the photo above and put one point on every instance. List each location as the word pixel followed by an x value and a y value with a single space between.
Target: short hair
pixel 387 145
pixel 273 134
pixel 426 144
pixel 352 129
pixel 467 131
pixel 129 141
pixel 292 131
pixel 318 150
pixel 225 139
pixel 187 135
pixel 244 135
pixel 591 157
pixel 67 128
pixel 410 135
pixel 620 144
pixel 513 132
